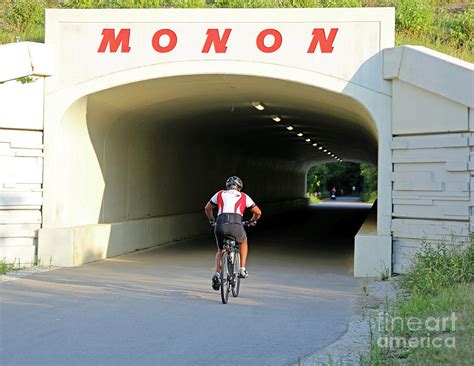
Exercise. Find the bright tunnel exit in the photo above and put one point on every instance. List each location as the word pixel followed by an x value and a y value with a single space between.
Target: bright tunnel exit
pixel 154 151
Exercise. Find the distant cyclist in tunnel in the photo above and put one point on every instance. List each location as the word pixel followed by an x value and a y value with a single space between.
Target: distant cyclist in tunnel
pixel 231 204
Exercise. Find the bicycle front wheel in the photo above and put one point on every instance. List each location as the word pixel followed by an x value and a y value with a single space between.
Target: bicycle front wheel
pixel 225 281
pixel 236 286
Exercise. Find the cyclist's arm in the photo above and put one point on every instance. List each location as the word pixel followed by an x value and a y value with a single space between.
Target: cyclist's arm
pixel 256 213
pixel 209 210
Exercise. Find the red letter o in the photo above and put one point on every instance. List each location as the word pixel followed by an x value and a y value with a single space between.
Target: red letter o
pixel 156 40
pixel 277 40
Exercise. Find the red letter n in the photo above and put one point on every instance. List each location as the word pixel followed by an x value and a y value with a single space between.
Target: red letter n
pixel 109 39
pixel 220 44
pixel 319 36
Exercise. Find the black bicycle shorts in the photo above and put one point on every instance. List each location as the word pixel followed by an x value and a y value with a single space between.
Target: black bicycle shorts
pixel 225 228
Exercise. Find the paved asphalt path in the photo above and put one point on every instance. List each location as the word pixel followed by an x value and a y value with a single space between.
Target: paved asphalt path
pixel 156 307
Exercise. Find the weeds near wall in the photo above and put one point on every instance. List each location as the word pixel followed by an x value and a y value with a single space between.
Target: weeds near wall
pixel 26 79
pixel 8 267
pixel 439 265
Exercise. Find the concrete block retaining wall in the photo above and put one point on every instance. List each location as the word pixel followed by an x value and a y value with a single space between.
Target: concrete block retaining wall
pixel 431 150
pixel 21 172
pixel 431 193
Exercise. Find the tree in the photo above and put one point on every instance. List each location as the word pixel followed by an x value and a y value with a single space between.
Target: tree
pixel 369 175
pixel 321 178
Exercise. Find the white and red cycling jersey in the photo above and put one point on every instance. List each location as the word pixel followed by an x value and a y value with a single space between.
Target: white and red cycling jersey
pixel 232 201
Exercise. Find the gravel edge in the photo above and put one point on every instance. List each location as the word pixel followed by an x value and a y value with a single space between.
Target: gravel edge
pixel 25 272
pixel 355 343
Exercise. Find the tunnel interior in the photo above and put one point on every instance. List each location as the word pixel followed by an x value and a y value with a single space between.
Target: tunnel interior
pixel 164 146
pixel 145 157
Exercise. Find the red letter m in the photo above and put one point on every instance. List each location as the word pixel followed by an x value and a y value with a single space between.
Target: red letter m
pixel 319 36
pixel 219 43
pixel 109 39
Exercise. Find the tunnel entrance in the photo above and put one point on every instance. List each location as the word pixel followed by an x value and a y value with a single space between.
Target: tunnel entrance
pixel 137 137
pixel 154 151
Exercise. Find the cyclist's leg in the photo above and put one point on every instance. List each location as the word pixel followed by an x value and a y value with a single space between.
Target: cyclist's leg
pixel 244 249
pixel 219 259
pixel 219 242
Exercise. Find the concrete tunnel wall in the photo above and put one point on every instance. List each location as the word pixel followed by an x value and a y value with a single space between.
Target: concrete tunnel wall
pixel 140 162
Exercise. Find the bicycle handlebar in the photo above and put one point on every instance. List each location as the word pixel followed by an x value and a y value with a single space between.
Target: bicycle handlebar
pixel 249 222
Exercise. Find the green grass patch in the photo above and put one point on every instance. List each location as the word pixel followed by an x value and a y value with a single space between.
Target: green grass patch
pixel 437 266
pixel 433 322
pixel 4 267
pixel 369 197
pixel 436 43
pixel 8 267
pixel 442 326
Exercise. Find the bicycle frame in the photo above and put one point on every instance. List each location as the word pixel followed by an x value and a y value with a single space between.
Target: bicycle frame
pixel 229 273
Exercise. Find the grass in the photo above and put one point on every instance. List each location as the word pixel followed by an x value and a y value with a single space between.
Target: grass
pixel 458 299
pixel 437 44
pixel 4 267
pixel 369 197
pixel 8 267
pixel 440 284
pixel 313 200
pixel 437 266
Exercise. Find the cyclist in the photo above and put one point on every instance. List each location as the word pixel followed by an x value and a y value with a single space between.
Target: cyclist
pixel 231 204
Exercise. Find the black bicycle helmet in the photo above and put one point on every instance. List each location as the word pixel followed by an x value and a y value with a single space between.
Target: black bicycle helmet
pixel 234 183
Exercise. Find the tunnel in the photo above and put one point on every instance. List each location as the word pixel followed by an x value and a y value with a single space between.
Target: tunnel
pixel 166 145
pixel 139 161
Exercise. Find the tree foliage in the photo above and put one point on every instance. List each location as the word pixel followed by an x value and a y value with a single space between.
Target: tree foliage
pixel 19 16
pixel 369 177
pixel 321 178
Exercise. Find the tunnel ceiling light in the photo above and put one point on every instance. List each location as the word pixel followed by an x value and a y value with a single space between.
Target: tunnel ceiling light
pixel 308 140
pixel 289 128
pixel 299 134
pixel 320 148
pixel 276 118
pixel 329 153
pixel 325 150
pixel 258 105
pixel 315 144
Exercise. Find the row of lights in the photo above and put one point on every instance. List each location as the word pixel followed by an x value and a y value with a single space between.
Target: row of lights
pixel 278 119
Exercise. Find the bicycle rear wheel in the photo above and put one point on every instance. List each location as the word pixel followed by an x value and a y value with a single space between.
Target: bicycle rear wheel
pixel 225 283
pixel 236 269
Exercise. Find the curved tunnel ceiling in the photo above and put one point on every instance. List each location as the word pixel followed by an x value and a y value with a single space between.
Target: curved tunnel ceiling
pixel 217 109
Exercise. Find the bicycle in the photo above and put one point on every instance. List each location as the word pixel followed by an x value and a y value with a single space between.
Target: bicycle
pixel 230 268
